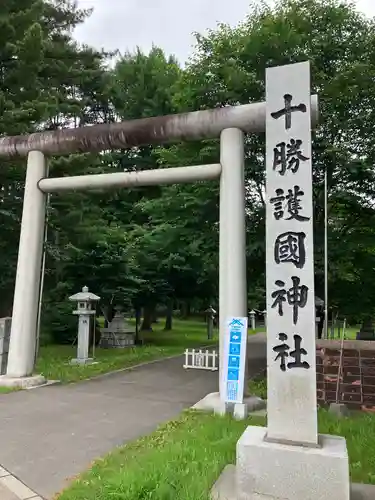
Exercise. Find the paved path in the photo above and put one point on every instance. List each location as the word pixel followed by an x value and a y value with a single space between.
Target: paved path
pixel 51 434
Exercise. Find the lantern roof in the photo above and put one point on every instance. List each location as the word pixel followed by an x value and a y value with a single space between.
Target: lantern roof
pixel 84 296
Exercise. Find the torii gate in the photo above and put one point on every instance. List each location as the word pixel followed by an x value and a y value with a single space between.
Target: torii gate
pixel 229 123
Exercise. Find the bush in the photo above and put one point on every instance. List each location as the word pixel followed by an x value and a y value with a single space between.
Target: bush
pixel 58 320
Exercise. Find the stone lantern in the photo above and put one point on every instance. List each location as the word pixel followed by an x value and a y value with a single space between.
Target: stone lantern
pixel 86 302
pixel 211 313
pixel 252 315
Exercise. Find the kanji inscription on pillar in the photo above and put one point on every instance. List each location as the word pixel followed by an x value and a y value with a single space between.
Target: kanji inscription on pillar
pixel 291 405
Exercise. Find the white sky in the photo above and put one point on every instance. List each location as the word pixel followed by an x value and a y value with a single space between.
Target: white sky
pixel 169 24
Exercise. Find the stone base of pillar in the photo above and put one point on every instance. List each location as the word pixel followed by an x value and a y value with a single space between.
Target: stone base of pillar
pixel 213 403
pixel 225 487
pixel 83 361
pixel 22 382
pixel 270 471
pixel 240 411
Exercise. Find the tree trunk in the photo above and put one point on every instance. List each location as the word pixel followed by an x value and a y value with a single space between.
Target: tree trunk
pixel 108 313
pixel 185 310
pixel 6 308
pixel 154 317
pixel 168 319
pixel 147 319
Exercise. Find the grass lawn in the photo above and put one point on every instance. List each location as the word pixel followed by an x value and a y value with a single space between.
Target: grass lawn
pixel 182 459
pixel 7 390
pixel 350 332
pixel 53 361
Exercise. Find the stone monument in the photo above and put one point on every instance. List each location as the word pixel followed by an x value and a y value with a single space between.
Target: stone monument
pixel 288 460
pixel 85 310
pixel 118 334
pixel 5 325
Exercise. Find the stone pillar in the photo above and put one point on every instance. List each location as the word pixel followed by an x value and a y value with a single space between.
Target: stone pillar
pixel 83 337
pixel 5 326
pixel 252 320
pixel 288 459
pixel 26 294
pixel 232 272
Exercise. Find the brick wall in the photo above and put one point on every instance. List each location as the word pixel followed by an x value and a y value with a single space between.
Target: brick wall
pixel 353 383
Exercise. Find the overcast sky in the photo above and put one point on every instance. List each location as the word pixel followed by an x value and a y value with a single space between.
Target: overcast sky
pixel 124 24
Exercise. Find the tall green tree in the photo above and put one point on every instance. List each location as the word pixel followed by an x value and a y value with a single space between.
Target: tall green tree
pixel 141 86
pixel 229 68
pixel 47 81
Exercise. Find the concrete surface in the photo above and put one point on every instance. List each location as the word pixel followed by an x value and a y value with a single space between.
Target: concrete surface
pixel 22 382
pixel 270 470
pixel 6 494
pixel 257 363
pixel 225 488
pixel 51 434
pixel 11 488
pixel 213 403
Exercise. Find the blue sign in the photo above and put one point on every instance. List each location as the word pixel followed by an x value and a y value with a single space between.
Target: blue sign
pixel 234 362
pixel 232 391
pixel 235 359
pixel 235 349
pixel 236 322
pixel 235 337
pixel 233 374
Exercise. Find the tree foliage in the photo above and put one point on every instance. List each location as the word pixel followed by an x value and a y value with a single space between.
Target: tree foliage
pixel 159 245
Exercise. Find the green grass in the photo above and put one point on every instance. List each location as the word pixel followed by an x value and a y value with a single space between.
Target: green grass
pixel 350 332
pixel 7 390
pixel 182 459
pixel 53 361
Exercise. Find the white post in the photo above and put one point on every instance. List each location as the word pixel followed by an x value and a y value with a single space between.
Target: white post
pixel 42 273
pixel 26 294
pixel 325 255
pixel 232 272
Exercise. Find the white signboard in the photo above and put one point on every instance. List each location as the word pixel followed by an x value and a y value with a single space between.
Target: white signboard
pixel 234 359
pixel 291 405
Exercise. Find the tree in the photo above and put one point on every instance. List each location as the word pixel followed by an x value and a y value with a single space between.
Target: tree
pixel 141 85
pixel 99 233
pixel 228 68
pixel 44 84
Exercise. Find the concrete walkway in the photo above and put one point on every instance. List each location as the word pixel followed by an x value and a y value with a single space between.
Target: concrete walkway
pixel 49 435
pixel 6 494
